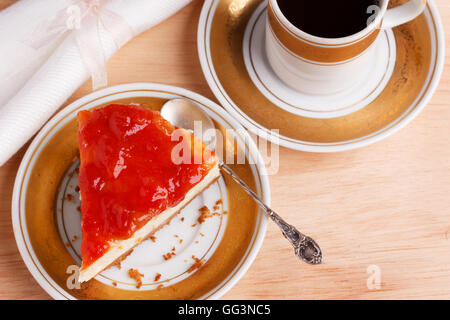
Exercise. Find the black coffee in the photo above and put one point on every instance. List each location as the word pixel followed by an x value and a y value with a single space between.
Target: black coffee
pixel 329 18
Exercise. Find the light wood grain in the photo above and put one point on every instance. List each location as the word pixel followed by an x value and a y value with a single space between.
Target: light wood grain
pixel 386 205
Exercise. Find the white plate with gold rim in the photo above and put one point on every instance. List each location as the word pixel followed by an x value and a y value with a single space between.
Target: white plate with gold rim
pixel 46 217
pixel 227 26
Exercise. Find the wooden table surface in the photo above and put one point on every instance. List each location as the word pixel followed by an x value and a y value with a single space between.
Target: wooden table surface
pixel 385 207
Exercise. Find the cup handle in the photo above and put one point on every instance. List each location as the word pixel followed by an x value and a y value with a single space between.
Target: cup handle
pixel 403 13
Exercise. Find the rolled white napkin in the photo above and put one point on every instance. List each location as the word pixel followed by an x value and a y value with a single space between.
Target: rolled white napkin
pixel 64 71
pixel 20 61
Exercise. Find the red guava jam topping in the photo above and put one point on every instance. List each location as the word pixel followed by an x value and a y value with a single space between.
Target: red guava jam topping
pixel 128 173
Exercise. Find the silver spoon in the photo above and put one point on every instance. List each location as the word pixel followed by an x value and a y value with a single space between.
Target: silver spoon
pixel 183 113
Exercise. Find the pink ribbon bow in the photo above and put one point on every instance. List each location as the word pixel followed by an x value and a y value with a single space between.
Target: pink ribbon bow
pixel 84 17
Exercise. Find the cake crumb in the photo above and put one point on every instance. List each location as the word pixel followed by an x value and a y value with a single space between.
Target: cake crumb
pixel 157 277
pixel 159 287
pixel 118 262
pixel 180 241
pixel 114 284
pixel 74 238
pixel 67 244
pixel 202 234
pixel 182 219
pixel 219 203
pixel 168 255
pixel 205 213
pixel 197 264
pixel 134 274
pixel 153 238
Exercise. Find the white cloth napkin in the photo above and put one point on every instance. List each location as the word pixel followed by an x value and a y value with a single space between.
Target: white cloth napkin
pixel 19 61
pixel 36 83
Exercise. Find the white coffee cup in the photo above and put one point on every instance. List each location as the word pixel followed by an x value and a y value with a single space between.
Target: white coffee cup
pixel 321 66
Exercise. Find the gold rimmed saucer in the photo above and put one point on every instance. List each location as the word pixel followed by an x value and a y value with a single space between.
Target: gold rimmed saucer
pixel 45 218
pixel 417 70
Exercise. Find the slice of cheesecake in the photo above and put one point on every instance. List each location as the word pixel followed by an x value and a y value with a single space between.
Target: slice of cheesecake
pixel 136 172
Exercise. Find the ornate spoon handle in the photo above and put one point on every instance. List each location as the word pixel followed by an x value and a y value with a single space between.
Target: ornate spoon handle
pixel 305 247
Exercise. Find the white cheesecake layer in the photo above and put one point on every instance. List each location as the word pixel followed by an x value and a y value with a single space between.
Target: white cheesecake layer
pixel 120 247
